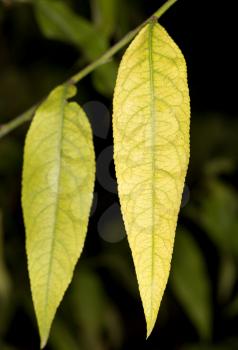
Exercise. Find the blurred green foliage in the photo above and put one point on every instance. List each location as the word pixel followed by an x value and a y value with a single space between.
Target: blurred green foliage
pixel 190 282
pixel 218 214
pixel 58 21
pixel 40 42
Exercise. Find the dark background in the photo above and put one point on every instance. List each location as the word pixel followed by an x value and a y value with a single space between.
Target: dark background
pixel 101 309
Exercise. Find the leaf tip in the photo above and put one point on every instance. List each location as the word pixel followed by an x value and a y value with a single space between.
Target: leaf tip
pixel 148 333
pixel 150 322
pixel 44 326
pixel 43 342
pixel 44 336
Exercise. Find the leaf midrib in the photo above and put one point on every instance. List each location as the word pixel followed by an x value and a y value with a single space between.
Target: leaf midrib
pixel 152 116
pixel 52 243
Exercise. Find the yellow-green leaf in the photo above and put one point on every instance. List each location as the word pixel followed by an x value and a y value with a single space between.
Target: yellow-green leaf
pixel 58 180
pixel 151 140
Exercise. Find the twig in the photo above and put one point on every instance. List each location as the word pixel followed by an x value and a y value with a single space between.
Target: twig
pixel 26 116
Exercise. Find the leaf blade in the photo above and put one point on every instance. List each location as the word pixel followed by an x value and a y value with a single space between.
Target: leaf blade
pixel 58 21
pixel 105 15
pixel 58 178
pixel 151 151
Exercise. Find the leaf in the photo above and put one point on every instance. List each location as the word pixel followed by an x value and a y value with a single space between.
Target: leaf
pixel 190 282
pixel 151 138
pixel 105 15
pixel 219 210
pixel 58 179
pixel 58 21
pixel 94 313
pixel 217 214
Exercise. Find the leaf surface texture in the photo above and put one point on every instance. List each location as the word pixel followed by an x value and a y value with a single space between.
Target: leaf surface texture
pixel 58 180
pixel 151 153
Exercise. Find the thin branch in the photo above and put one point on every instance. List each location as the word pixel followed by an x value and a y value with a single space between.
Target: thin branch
pixel 14 123
pixel 26 116
pixel 164 8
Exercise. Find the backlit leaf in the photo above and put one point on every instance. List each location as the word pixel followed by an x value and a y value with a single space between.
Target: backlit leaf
pixel 151 137
pixel 58 178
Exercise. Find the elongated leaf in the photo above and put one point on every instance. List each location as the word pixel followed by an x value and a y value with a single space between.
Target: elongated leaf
pixel 59 22
pixel 191 284
pixel 151 136
pixel 58 178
